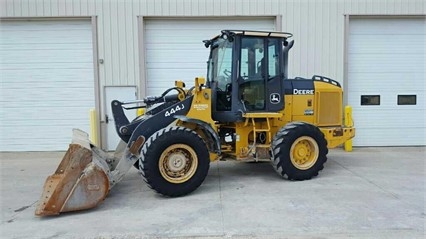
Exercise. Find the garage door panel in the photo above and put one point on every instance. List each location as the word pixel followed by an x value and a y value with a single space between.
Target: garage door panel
pixel 47 66
pixel 159 87
pixel 43 105
pixel 167 46
pixel 401 88
pixel 59 114
pixel 48 138
pixel 48 56
pixel 47 83
pixel 397 80
pixel 381 62
pixel 33 95
pixel 388 95
pixel 36 86
pixel 175 56
pixel 63 36
pixel 159 83
pixel 165 38
pixel 170 74
pixel 372 118
pixel 165 54
pixel 31 46
pixel 33 77
pixel 391 137
pixel 385 44
pixel 389 27
pixel 42 25
pixel 387 103
pixel 42 131
pixel 177 65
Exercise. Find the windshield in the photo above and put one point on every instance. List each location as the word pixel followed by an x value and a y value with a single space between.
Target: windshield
pixel 220 63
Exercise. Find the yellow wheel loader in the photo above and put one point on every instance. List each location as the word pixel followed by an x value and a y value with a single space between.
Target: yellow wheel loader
pixel 246 109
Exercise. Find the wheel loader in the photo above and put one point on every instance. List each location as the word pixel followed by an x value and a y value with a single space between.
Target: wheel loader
pixel 246 109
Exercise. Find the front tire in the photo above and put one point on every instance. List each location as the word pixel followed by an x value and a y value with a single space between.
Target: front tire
pixel 175 161
pixel 299 151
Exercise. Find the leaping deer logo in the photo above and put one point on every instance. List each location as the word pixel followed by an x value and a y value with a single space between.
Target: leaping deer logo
pixel 274 98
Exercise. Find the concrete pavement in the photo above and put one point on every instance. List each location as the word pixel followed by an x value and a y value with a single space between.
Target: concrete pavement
pixel 369 193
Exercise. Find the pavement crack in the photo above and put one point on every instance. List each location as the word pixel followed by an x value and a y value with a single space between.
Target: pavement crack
pixel 369 181
pixel 18 211
pixel 25 207
pixel 22 208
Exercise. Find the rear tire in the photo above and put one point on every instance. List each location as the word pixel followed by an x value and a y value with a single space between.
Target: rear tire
pixel 175 161
pixel 299 151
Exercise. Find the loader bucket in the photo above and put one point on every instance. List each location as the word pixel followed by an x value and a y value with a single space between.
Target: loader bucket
pixel 80 182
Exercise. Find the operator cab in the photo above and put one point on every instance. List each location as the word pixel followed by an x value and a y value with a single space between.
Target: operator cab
pixel 246 70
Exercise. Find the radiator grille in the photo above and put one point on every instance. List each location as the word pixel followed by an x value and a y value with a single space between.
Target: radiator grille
pixel 329 110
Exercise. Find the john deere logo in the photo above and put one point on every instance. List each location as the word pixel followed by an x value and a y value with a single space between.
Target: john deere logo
pixel 274 98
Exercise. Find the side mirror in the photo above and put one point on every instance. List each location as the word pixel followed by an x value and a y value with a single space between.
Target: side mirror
pixel 207 43
pixel 288 46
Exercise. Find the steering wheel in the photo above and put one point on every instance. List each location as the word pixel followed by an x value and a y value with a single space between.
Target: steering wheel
pixel 227 73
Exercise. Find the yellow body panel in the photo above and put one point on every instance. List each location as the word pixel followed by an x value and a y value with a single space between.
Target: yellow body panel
pixel 200 109
pixel 303 108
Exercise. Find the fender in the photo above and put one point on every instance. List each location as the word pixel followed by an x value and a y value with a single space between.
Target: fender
pixel 213 137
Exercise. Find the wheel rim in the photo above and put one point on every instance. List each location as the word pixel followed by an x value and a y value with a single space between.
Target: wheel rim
pixel 178 163
pixel 304 152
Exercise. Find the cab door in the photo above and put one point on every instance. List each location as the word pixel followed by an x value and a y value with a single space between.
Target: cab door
pixel 275 77
pixel 260 78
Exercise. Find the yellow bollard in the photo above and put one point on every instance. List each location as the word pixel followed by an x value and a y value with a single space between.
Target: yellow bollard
pixel 93 127
pixel 348 122
pixel 140 111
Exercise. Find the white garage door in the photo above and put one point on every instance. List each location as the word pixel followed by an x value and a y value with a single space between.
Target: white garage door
pixel 174 48
pixel 47 83
pixel 387 81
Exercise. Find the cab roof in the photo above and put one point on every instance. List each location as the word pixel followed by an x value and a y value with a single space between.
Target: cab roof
pixel 230 33
pixel 258 33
